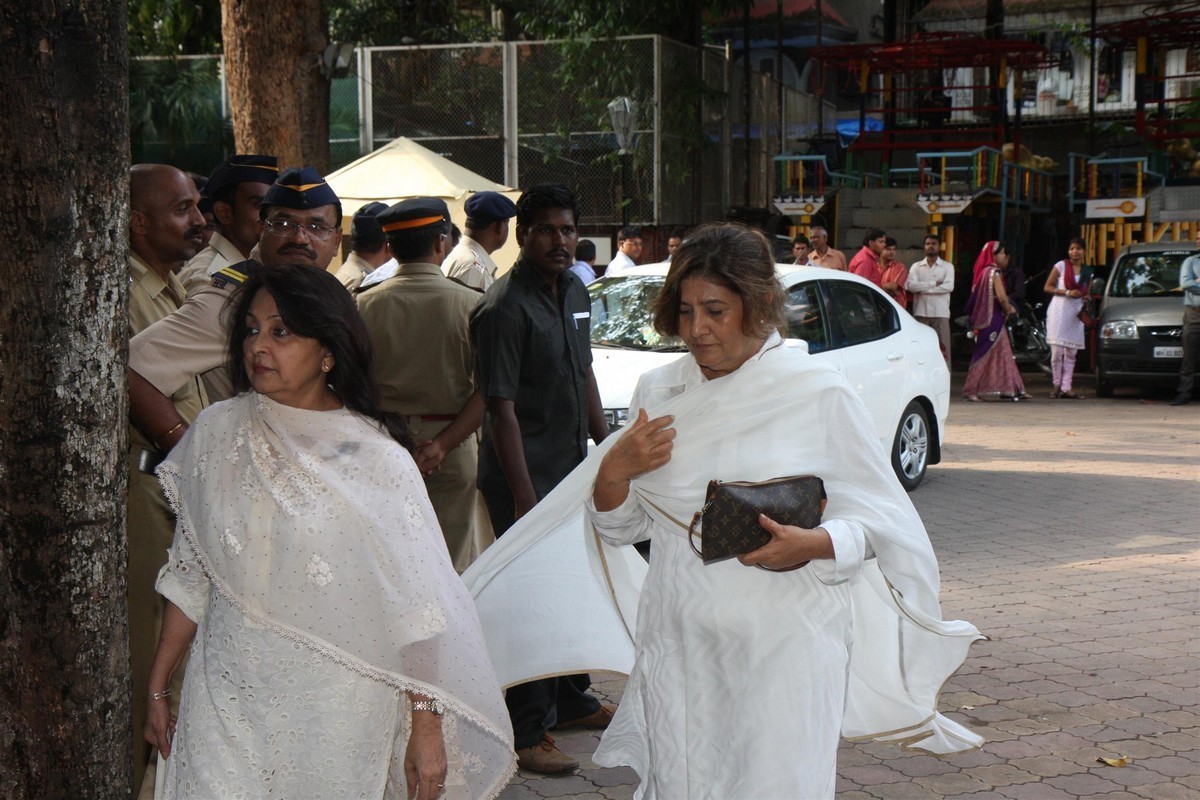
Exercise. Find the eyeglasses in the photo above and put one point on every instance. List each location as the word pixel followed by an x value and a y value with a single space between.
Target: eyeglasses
pixel 285 228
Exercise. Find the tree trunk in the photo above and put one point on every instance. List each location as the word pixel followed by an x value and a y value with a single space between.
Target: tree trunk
pixel 313 87
pixel 272 61
pixel 64 654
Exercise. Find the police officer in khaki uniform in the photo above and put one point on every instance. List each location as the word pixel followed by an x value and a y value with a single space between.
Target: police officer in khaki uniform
pixel 368 247
pixel 419 325
pixel 164 231
pixel 235 190
pixel 470 262
pixel 301 220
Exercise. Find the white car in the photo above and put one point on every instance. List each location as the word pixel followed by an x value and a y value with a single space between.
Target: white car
pixel 892 361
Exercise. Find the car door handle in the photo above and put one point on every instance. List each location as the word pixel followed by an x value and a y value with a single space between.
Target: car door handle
pixel 895 356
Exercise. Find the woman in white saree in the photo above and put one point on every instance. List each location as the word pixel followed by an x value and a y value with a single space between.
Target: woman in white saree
pixel 334 651
pixel 743 679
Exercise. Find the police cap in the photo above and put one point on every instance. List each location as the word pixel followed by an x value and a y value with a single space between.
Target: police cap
pixel 484 208
pixel 241 169
pixel 365 221
pixel 301 189
pixel 414 214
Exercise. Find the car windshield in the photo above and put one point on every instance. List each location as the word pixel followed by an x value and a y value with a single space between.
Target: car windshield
pixel 621 315
pixel 1148 274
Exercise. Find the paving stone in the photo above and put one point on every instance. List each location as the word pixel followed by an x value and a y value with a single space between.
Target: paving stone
pixel 1165 791
pixel 1001 775
pixel 952 783
pixel 1083 784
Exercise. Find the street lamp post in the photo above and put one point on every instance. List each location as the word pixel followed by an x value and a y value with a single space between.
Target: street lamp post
pixel 623 113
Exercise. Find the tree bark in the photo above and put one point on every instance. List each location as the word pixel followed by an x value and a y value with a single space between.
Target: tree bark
pixel 272 62
pixel 64 655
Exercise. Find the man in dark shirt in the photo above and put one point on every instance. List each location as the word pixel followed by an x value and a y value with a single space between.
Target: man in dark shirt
pixel 534 363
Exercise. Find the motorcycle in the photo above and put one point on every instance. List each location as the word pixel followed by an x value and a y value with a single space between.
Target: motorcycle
pixel 1027 335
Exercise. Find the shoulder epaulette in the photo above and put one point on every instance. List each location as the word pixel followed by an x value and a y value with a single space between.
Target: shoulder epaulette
pixel 466 285
pixel 235 275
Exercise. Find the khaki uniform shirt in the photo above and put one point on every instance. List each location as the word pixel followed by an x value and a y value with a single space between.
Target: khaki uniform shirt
pixel 197 273
pixel 189 342
pixel 833 259
pixel 469 263
pixel 150 300
pixel 352 271
pixel 419 326
pixel 418 321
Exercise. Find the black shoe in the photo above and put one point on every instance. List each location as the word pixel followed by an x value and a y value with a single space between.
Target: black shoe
pixel 1182 400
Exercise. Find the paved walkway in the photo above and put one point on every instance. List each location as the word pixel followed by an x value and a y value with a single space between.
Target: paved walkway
pixel 1068 532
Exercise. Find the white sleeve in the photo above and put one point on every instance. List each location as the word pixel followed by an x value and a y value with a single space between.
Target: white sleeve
pixel 625 524
pixel 182 582
pixel 849 552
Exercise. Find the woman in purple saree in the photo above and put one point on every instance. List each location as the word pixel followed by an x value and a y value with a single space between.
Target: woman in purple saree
pixel 993 369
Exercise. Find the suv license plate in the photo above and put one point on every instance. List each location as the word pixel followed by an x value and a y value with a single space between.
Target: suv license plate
pixel 1168 352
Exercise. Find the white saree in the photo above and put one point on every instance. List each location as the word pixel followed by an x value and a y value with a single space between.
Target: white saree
pixel 308 554
pixel 743 677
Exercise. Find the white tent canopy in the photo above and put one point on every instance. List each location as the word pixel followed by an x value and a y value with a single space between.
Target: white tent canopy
pixel 403 168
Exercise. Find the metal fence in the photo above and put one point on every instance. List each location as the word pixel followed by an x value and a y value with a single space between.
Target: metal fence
pixel 520 113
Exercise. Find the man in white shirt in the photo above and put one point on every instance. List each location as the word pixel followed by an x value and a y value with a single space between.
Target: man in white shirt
pixel 470 262
pixel 585 261
pixel 930 282
pixel 236 190
pixel 629 250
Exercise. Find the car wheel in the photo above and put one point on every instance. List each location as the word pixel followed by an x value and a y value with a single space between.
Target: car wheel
pixel 910 450
pixel 1103 387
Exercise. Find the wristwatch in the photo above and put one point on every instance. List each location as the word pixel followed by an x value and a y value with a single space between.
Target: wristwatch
pixel 433 706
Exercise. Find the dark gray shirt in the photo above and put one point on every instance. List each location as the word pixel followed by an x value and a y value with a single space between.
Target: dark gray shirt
pixel 533 348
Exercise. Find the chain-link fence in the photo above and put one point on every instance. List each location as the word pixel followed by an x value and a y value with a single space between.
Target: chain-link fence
pixel 521 113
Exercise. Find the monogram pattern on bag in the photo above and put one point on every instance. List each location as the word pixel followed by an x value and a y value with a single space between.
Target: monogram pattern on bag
pixel 730 514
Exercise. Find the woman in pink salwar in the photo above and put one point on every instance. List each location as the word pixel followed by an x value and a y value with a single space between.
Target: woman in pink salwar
pixel 993 370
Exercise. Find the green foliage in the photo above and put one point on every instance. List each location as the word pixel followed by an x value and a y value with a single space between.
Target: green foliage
pixel 395 22
pixel 601 19
pixel 174 27
pixel 175 105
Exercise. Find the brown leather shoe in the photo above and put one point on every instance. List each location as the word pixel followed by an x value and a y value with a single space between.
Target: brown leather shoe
pixel 545 758
pixel 597 720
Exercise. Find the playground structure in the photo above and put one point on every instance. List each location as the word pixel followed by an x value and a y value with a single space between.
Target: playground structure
pixel 967 161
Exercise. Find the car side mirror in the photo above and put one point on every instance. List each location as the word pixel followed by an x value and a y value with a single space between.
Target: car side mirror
pixel 1097 287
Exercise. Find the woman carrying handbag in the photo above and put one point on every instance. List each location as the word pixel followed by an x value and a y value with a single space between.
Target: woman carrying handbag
pixel 1065 326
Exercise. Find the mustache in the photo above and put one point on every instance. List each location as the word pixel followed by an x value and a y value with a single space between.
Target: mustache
pixel 192 233
pixel 298 248
pixel 558 251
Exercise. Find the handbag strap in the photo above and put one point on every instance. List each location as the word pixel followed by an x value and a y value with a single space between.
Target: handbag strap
pixel 692 530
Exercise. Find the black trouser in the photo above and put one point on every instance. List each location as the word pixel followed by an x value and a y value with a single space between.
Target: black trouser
pixel 537 706
pixel 1191 349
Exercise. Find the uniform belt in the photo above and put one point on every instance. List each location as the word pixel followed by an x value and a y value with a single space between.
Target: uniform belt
pixel 436 417
pixel 148 460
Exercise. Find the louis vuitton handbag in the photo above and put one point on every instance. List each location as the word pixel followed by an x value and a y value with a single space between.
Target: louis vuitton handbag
pixel 729 519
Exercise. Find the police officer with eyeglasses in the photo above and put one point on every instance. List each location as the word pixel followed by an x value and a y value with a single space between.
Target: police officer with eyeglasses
pixel 301 224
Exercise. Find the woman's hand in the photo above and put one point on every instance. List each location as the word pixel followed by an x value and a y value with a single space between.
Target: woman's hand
pixel 160 725
pixel 789 546
pixel 425 757
pixel 644 446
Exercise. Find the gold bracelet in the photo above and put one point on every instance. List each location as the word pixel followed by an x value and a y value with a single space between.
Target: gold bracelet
pixel 163 695
pixel 174 428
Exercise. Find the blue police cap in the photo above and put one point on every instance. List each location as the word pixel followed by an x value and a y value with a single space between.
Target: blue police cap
pixel 488 207
pixel 301 189
pixel 366 220
pixel 413 214
pixel 241 169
